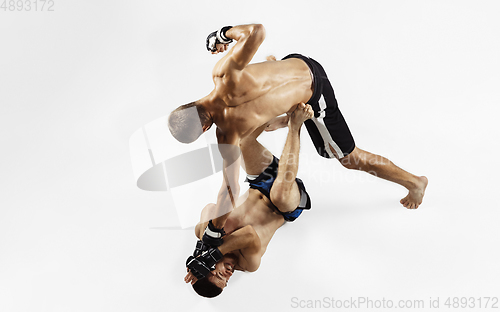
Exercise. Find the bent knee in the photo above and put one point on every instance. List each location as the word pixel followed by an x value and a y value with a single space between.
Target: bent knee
pixel 278 196
pixel 353 160
pixel 285 196
pixel 281 199
pixel 349 163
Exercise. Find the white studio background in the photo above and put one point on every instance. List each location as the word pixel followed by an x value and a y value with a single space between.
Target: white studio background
pixel 417 81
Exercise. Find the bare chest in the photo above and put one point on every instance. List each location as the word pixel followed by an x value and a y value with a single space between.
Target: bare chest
pixel 256 212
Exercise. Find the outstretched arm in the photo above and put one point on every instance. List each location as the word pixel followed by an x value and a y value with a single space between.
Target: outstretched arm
pixel 206 252
pixel 284 193
pixel 289 160
pixel 226 202
pixel 214 219
pixel 230 189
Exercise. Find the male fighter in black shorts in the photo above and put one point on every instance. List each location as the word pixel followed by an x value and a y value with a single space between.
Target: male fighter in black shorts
pixel 247 96
pixel 276 195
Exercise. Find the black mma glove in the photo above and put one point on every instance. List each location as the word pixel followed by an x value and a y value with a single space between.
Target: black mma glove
pixel 200 248
pixel 218 37
pixel 202 265
pixel 213 236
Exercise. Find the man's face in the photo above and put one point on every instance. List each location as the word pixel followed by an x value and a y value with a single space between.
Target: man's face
pixel 223 271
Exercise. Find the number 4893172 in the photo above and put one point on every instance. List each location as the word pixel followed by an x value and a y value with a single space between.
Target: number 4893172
pixel 27 5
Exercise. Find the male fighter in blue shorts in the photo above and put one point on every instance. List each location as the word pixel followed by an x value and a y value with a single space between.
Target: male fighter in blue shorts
pixel 248 96
pixel 276 195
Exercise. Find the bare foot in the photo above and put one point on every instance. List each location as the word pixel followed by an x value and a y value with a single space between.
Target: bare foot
pixel 415 195
pixel 271 58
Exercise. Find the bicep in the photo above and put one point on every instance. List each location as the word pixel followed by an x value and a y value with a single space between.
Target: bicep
pixel 252 254
pixel 249 38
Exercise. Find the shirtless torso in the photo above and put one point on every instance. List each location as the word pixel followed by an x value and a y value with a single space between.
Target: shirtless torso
pixel 250 226
pixel 256 210
pixel 245 95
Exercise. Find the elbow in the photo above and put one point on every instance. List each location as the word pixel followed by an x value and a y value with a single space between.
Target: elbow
pixel 259 32
pixel 250 235
pixel 251 231
pixel 253 268
pixel 258 28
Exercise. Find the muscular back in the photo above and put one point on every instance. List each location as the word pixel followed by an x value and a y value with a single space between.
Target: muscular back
pixel 253 94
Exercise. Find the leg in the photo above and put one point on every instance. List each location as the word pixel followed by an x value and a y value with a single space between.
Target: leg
pixel 332 138
pixel 285 193
pixel 383 168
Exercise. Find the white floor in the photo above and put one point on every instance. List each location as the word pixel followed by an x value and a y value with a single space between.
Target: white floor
pixel 417 81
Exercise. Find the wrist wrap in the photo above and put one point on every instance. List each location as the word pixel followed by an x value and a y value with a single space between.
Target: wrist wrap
pixel 213 236
pixel 221 35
